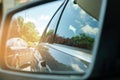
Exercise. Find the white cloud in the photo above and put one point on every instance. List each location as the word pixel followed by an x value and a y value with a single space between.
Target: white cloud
pixel 76 67
pixel 29 20
pixel 89 30
pixel 44 17
pixel 75 6
pixel 94 19
pixel 72 28
pixel 82 14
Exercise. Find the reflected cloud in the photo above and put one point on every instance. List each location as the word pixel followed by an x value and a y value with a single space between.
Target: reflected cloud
pixel 75 6
pixel 44 17
pixel 77 68
pixel 94 19
pixel 82 14
pixel 72 28
pixel 29 20
pixel 90 30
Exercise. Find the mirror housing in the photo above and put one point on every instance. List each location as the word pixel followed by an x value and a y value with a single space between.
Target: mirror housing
pixel 4 29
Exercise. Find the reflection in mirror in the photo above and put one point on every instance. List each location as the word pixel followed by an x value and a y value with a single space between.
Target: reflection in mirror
pixel 26 28
pixel 43 39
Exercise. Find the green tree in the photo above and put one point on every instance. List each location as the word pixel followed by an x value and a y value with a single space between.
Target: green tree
pixel 50 32
pixel 83 41
pixel 14 29
pixel 49 36
pixel 24 30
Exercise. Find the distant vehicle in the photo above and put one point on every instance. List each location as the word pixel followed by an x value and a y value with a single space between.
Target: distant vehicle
pixel 16 43
pixel 22 57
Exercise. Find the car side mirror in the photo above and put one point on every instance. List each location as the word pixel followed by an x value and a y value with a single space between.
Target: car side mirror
pixel 69 46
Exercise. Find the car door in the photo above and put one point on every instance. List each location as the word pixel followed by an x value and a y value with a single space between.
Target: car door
pixel 53 46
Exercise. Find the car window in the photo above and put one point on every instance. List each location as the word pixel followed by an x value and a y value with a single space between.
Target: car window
pixel 69 39
pixel 49 33
pixel 77 28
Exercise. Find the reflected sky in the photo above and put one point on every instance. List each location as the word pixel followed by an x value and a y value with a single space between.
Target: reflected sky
pixel 39 15
pixel 76 21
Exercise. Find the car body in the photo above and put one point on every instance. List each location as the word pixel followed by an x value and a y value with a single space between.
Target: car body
pixel 75 59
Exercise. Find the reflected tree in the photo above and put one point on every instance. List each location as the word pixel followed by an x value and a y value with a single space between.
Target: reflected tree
pixel 49 36
pixel 81 41
pixel 24 30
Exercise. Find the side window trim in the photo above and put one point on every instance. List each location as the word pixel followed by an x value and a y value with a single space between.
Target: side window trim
pixel 60 18
pixel 43 35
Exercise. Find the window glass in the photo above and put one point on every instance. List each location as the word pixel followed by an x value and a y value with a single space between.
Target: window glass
pixel 49 34
pixel 77 28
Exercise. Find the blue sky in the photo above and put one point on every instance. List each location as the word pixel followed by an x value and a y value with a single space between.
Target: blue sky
pixel 78 21
pixel 39 15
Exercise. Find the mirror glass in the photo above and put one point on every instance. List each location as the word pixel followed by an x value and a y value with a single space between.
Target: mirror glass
pixel 54 37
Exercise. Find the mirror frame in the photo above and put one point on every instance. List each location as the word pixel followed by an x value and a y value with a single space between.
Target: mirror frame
pixel 96 52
